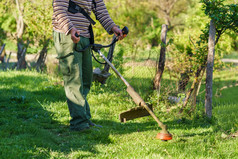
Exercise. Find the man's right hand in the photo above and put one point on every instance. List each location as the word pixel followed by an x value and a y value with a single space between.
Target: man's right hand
pixel 75 39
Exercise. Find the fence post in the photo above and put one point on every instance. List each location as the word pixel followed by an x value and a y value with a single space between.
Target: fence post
pixel 210 63
pixel 161 64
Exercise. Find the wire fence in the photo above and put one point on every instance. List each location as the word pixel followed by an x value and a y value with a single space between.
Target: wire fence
pixel 178 88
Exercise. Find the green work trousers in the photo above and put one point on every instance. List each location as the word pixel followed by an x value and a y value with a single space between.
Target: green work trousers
pixel 76 68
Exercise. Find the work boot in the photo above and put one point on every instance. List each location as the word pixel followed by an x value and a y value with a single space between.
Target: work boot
pixel 90 123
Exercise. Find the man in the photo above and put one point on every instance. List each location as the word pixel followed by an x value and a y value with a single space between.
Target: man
pixel 76 67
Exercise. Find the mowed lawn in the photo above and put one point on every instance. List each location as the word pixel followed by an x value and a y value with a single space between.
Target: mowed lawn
pixel 34 123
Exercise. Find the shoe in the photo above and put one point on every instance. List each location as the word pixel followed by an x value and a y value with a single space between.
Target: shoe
pixel 90 123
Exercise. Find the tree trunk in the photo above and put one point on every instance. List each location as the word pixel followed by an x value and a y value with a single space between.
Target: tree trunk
pixel 2 53
pixel 20 22
pixel 21 48
pixel 161 64
pixel 21 54
pixel 43 53
pixel 6 66
pixel 209 75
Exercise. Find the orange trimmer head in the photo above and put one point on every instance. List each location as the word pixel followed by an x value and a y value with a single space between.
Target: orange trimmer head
pixel 164 136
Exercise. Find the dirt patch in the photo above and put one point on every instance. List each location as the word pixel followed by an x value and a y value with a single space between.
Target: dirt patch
pixel 235 61
pixel 147 63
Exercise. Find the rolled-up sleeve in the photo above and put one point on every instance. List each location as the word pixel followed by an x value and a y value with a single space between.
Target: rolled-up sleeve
pixel 103 16
pixel 60 8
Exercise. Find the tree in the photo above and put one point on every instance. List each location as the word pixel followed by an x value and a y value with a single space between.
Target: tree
pixel 169 11
pixel 38 17
pixel 224 17
pixel 32 26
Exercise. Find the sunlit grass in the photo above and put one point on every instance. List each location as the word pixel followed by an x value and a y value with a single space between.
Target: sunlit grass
pixel 34 122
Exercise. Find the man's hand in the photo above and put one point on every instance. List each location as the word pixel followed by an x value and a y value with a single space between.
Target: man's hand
pixel 118 32
pixel 73 31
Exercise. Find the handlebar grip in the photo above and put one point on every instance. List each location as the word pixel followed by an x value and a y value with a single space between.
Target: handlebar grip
pixel 125 31
pixel 77 35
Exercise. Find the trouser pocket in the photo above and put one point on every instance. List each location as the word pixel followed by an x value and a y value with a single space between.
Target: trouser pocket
pixel 63 44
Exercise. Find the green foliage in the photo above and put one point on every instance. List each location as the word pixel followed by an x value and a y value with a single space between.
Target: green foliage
pixel 7 22
pixel 190 54
pixel 37 17
pixel 143 20
pixel 152 33
pixel 118 59
pixel 39 27
pixel 131 14
pixel 225 16
pixel 8 18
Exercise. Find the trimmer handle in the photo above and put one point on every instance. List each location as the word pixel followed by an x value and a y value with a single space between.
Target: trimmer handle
pixel 125 31
pixel 97 47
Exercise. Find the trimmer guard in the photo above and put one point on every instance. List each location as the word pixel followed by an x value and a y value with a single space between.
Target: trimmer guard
pixel 134 113
pixel 100 76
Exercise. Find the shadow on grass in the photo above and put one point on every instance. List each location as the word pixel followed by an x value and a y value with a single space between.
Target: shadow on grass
pixel 31 126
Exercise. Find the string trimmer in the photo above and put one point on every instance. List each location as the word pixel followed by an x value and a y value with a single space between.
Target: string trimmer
pixel 143 109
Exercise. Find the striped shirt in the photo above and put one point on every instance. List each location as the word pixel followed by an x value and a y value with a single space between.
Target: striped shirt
pixel 63 21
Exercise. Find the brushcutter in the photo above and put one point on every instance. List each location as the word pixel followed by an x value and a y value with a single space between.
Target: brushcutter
pixel 143 109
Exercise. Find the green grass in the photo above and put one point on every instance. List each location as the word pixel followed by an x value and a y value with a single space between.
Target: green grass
pixel 34 122
pixel 233 55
